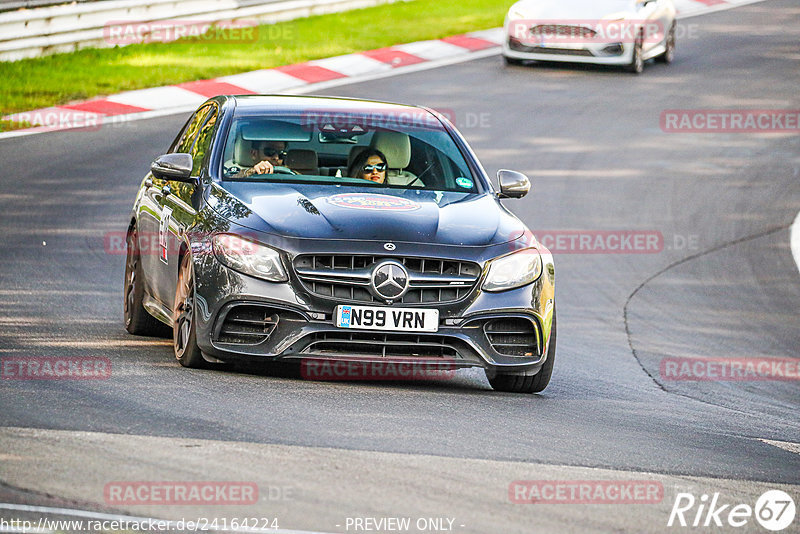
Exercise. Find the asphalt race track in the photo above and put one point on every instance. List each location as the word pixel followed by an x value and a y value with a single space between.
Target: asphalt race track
pixel 724 285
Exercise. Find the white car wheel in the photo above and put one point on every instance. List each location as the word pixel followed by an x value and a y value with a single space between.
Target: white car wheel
pixel 669 54
pixel 636 66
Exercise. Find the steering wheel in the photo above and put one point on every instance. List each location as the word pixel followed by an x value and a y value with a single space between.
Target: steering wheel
pixel 282 170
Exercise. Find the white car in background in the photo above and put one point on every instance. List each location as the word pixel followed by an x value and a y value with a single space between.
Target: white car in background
pixel 606 32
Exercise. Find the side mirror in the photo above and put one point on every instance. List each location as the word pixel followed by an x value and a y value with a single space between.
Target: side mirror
pixel 173 167
pixel 513 184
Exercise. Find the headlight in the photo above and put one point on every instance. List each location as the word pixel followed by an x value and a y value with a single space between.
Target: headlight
pixel 249 257
pixel 515 270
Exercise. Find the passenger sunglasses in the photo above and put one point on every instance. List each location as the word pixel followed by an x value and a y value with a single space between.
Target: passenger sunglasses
pixel 380 167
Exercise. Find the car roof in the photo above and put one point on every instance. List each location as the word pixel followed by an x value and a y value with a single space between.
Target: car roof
pixel 291 103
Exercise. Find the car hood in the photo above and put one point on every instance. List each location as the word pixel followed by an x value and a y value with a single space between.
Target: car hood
pixel 572 10
pixel 353 213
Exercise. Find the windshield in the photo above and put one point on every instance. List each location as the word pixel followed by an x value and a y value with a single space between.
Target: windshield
pixel 408 151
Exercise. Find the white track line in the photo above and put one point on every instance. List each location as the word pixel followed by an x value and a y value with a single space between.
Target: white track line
pixel 795 240
pixel 130 519
pixel 785 445
pixel 720 7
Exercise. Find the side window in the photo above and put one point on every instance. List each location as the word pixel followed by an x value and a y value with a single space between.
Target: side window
pixel 190 132
pixel 202 144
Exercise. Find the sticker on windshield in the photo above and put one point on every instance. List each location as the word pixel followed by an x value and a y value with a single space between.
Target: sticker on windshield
pixel 362 201
pixel 466 183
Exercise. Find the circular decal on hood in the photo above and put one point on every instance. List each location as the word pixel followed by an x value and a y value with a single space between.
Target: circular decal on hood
pixel 366 201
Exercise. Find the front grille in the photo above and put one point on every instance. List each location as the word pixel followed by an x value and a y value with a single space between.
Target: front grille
pixel 562 32
pixel 560 51
pixel 380 345
pixel 347 277
pixel 517 46
pixel 247 325
pixel 513 336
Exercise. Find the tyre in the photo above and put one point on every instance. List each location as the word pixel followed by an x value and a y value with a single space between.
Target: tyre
pixel 184 328
pixel 526 383
pixel 669 54
pixel 636 66
pixel 512 60
pixel 137 320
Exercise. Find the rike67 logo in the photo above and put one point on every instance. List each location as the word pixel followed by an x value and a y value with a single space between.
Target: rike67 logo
pixel 774 510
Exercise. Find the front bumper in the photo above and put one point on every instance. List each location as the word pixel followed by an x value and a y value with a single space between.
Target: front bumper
pixel 598 54
pixel 241 318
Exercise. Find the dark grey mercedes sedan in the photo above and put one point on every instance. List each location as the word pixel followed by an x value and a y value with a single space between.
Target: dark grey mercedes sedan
pixel 330 231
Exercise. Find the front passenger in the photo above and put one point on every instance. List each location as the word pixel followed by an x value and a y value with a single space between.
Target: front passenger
pixel 397 148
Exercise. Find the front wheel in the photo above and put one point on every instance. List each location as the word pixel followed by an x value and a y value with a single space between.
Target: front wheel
pixel 137 321
pixel 636 66
pixel 523 382
pixel 669 54
pixel 184 329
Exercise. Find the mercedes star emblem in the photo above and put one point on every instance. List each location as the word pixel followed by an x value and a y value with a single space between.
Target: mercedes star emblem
pixel 389 280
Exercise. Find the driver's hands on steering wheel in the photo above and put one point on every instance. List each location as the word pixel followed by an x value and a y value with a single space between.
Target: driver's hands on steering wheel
pixel 263 167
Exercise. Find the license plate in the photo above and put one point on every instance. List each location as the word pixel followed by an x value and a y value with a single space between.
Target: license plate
pixel 390 319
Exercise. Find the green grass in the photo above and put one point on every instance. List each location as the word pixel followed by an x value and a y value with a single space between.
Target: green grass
pixel 6 125
pixel 62 78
